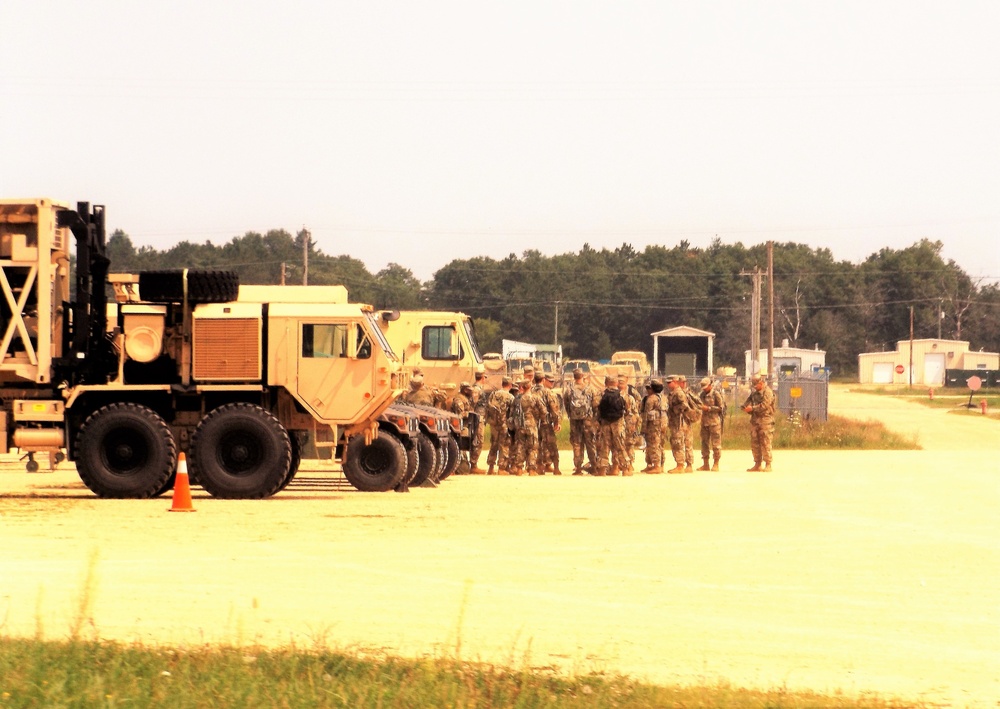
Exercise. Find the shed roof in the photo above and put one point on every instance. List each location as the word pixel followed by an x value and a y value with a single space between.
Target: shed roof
pixel 683 331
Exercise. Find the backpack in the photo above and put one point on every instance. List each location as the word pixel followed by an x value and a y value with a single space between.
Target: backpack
pixel 612 406
pixel 515 421
pixel 692 414
pixel 579 404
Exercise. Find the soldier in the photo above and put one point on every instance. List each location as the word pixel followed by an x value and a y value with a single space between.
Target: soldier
pixel 651 415
pixel 532 409
pixel 480 393
pixel 760 406
pixel 497 410
pixel 677 424
pixel 632 426
pixel 712 407
pixel 515 419
pixel 417 393
pixel 611 417
pixel 548 425
pixel 444 395
pixel 579 402
pixel 461 406
pixel 693 416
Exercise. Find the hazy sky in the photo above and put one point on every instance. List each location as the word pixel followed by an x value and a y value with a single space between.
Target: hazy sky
pixel 418 132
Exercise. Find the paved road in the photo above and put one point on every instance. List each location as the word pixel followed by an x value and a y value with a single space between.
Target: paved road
pixel 845 571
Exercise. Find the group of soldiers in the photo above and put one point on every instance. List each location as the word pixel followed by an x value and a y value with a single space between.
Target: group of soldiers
pixel 607 426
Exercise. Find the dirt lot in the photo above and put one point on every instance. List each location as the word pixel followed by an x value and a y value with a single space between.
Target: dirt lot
pixel 854 571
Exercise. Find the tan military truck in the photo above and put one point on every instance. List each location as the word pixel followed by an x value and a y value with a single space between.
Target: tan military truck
pixel 631 362
pixel 175 364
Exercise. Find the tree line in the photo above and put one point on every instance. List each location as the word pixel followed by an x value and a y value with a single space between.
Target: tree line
pixel 597 301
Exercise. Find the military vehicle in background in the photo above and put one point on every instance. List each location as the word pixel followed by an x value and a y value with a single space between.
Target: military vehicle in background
pixel 175 364
pixel 631 362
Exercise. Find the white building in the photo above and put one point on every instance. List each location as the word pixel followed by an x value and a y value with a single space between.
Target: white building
pixel 787 359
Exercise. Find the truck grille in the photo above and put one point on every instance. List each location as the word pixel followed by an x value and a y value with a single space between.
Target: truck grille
pixel 226 349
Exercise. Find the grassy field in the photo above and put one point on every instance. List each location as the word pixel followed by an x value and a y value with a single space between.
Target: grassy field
pixel 98 674
pixel 837 433
pixel 954 399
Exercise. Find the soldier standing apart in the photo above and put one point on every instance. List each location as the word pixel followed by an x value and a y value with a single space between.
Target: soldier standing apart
pixel 651 406
pixel 549 426
pixel 418 394
pixel 611 418
pixel 461 406
pixel 580 410
pixel 497 409
pixel 760 406
pixel 712 407
pixel 677 424
pixel 532 410
pixel 480 394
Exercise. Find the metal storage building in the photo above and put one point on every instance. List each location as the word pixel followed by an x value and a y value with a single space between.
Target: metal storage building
pixel 683 350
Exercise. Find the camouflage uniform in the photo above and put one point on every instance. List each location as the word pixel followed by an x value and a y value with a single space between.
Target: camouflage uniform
pixel 461 405
pixel 712 404
pixel 418 395
pixel 507 463
pixel 761 409
pixel 526 446
pixel 632 423
pixel 479 397
pixel 497 408
pixel 677 404
pixel 548 449
pixel 693 402
pixel 611 441
pixel 651 415
pixel 581 418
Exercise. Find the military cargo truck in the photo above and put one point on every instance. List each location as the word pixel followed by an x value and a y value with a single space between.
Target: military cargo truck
pixel 176 363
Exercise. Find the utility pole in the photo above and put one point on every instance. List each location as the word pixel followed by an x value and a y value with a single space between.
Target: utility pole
pixel 282 273
pixel 770 309
pixel 940 316
pixel 754 318
pixel 555 339
pixel 305 256
pixel 911 347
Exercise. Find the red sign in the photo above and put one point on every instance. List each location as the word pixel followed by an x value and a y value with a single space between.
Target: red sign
pixel 900 369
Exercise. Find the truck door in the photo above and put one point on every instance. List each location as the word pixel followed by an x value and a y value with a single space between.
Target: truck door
pixel 336 378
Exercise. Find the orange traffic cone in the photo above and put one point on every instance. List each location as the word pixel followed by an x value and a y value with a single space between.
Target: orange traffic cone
pixel 182 487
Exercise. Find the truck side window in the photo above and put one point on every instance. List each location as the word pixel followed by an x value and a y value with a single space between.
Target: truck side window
pixel 438 342
pixel 324 341
pixel 364 344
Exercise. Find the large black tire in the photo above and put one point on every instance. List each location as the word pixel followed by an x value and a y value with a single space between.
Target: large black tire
pixel 241 451
pixel 126 451
pixel 203 286
pixel 377 467
pixel 412 460
pixel 428 464
pixel 293 467
pixel 454 458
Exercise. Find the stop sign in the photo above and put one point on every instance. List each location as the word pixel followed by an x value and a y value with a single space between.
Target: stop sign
pixel 900 369
pixel 974 382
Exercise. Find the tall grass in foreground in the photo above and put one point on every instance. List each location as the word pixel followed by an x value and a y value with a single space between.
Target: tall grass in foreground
pixel 99 674
pixel 837 433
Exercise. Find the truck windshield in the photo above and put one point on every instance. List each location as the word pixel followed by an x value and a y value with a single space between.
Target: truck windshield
pixel 380 336
pixel 470 331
